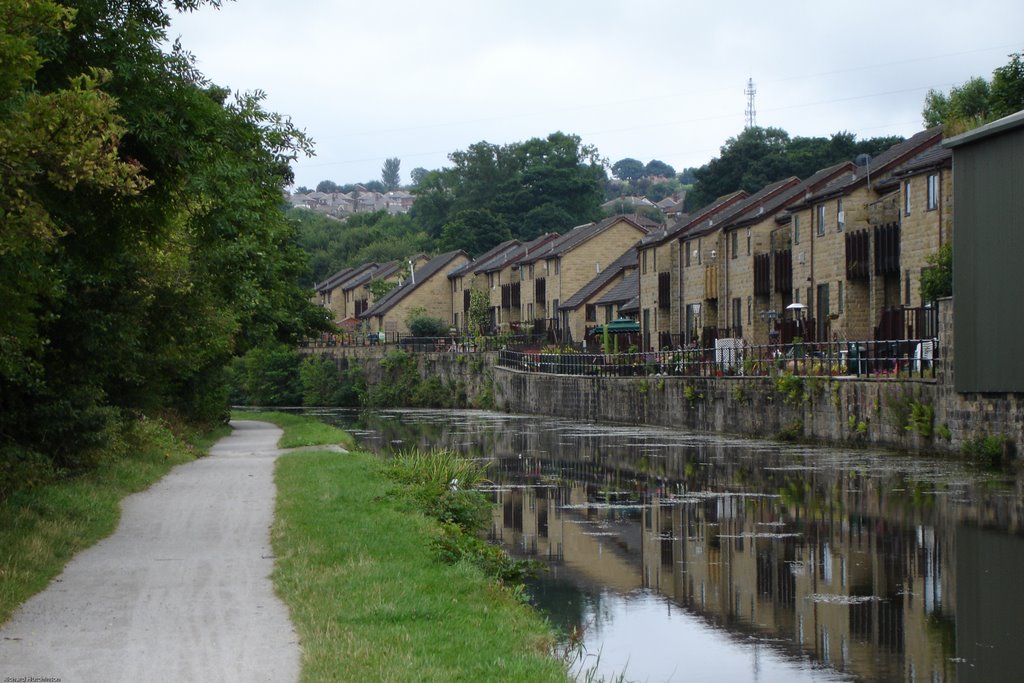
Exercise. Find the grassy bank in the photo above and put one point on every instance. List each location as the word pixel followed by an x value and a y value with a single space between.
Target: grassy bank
pixel 299 430
pixel 42 528
pixel 370 596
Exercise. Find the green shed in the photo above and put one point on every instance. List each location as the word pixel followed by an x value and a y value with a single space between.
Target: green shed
pixel 988 251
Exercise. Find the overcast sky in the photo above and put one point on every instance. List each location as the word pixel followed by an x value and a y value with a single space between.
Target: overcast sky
pixel 648 79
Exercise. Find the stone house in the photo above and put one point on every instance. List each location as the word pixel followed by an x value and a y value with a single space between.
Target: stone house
pixel 330 293
pixel 621 300
pixel 428 288
pixel 563 266
pixel 710 311
pixel 658 256
pixel 756 289
pixel 470 276
pixel 833 241
pixel 580 311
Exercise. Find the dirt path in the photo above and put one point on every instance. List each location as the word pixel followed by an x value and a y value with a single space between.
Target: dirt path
pixel 180 592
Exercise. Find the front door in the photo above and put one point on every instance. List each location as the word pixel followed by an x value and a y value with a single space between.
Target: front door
pixel 823 313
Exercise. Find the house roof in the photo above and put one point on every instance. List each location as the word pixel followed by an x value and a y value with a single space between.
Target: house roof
pixel 367 275
pixel 687 220
pixel 936 156
pixel 631 306
pixel 625 262
pixel 577 236
pixel 342 277
pixel 878 169
pixel 484 258
pixel 622 292
pixel 758 210
pixel 517 255
pixel 420 275
pixel 739 209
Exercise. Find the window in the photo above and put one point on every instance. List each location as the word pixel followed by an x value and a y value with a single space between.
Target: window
pixel 531 271
pixel 529 311
pixel 750 310
pixel 591 313
pixel 643 268
pixel 840 216
pixel 840 288
pixel 748 241
pixel 557 264
pixel 737 314
pixel 734 249
pixel 687 247
pixel 821 220
pixel 796 229
pixel 906 197
pixel 700 256
pixel 796 296
pixel 906 286
pixel 490 280
pixel 933 192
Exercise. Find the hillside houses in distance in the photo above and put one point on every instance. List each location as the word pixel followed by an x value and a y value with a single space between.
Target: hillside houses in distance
pixel 836 256
pixel 341 204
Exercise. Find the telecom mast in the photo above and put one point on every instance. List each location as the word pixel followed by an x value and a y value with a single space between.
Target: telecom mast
pixel 751 111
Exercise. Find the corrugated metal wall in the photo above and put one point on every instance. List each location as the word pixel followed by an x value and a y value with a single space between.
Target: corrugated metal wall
pixel 988 261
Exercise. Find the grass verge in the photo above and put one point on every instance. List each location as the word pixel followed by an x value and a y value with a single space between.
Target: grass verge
pixel 44 527
pixel 371 598
pixel 299 430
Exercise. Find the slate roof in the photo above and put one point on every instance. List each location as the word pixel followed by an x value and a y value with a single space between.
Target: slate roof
pixel 421 275
pixel 367 275
pixel 612 271
pixel 936 156
pixel 687 220
pixel 342 276
pixel 733 211
pixel 628 289
pixel 577 236
pixel 757 211
pixel 484 258
pixel 879 169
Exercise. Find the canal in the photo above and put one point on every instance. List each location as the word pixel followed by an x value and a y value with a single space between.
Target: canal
pixel 695 557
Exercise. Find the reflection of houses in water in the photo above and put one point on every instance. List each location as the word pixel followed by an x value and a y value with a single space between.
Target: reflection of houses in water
pixel 863 592
pixel 859 561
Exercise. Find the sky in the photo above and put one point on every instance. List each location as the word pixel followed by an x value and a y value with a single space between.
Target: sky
pixel 646 79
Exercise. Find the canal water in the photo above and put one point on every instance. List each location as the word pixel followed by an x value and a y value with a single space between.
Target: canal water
pixel 684 556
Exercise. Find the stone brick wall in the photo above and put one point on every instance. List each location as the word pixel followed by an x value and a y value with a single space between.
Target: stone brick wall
pixel 843 411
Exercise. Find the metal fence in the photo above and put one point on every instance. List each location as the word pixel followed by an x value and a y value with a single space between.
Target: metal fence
pixel 880 360
pixel 446 344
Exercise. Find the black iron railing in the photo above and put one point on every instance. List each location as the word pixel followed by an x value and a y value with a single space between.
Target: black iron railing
pixel 877 360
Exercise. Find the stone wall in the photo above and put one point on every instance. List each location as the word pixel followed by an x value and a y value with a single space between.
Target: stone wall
pixel 910 415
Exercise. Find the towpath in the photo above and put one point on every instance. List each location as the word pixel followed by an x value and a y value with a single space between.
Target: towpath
pixel 180 592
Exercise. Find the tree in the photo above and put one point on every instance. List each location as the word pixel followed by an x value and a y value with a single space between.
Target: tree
pixel 659 168
pixel 302 189
pixel 143 241
pixel 479 314
pixel 389 174
pixel 474 231
pixel 417 175
pixel 937 278
pixel 328 187
pixel 977 101
pixel 759 156
pixel 628 169
pixel 509 182
pixel 1007 94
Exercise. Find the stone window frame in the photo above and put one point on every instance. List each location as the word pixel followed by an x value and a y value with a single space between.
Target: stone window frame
pixel 820 210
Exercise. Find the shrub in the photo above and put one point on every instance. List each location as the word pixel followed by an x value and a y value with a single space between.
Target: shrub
pixel 270 377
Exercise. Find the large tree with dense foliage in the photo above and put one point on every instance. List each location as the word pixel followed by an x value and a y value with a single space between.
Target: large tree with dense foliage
pixel 143 240
pixel 518 185
pixel 977 101
pixel 331 244
pixel 759 156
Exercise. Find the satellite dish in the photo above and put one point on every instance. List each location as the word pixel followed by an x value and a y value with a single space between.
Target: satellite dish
pixel 862 159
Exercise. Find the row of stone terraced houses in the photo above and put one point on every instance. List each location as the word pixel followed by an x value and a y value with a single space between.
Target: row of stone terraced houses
pixel 849 244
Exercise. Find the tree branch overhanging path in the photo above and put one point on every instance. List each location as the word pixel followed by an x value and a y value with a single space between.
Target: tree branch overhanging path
pixel 182 589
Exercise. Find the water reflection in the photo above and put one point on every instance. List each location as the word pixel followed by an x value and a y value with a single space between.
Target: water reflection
pixel 695 557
